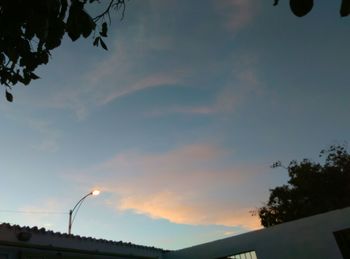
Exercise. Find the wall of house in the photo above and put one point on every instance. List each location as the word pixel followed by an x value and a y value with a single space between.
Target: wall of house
pixel 306 238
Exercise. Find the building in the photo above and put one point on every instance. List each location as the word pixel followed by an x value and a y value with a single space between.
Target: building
pixel 32 243
pixel 325 236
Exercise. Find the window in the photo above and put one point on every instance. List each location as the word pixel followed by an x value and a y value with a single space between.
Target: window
pixel 343 240
pixel 246 255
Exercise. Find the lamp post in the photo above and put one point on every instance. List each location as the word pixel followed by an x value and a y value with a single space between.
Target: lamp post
pixel 76 208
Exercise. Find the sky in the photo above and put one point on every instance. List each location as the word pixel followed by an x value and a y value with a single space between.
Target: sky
pixel 178 122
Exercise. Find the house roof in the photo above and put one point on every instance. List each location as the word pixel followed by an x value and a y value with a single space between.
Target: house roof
pixel 50 239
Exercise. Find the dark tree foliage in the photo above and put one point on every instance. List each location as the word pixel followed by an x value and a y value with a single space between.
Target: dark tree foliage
pixel 303 7
pixel 30 29
pixel 313 188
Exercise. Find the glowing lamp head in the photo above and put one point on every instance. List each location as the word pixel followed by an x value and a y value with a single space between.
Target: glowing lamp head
pixel 95 192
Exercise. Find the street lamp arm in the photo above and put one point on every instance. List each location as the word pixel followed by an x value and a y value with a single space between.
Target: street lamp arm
pixel 80 201
pixel 76 208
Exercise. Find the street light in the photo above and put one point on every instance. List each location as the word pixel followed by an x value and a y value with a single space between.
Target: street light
pixel 76 208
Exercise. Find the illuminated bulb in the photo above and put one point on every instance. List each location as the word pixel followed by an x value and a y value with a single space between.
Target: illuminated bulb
pixel 96 192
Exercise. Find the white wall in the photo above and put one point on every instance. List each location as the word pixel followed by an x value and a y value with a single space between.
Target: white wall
pixel 309 238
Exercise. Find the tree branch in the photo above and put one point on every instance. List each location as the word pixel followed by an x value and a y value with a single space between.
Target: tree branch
pixel 113 3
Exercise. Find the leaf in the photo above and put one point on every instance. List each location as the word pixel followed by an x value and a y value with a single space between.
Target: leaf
pixel 345 8
pixel 56 32
pixel 34 76
pixel 64 5
pixel 44 57
pixel 301 7
pixel 26 78
pixel 103 44
pixel 103 33
pixel 86 23
pixel 9 96
pixel 96 41
pixel 73 34
pixel 72 25
pixel 2 58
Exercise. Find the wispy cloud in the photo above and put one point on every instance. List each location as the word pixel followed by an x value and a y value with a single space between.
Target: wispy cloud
pixel 187 185
pixel 242 83
pixel 155 51
pixel 149 81
pixel 237 13
pixel 128 68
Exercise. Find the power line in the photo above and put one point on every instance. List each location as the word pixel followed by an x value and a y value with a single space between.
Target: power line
pixel 32 212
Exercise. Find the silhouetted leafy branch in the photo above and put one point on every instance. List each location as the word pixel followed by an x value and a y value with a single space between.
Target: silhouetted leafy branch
pixel 30 29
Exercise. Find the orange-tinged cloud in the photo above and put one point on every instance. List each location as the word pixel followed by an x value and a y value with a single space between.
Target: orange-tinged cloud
pixel 170 206
pixel 188 185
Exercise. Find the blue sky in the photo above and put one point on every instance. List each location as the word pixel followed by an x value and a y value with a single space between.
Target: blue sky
pixel 178 122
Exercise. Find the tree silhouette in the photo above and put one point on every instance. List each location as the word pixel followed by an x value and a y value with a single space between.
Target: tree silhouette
pixel 30 29
pixel 303 7
pixel 313 188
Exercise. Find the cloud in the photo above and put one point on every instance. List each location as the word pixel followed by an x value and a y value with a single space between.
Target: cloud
pixel 132 65
pixel 237 13
pixel 139 60
pixel 154 50
pixel 188 185
pixel 154 80
pixel 189 110
pixel 241 84
pixel 178 209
